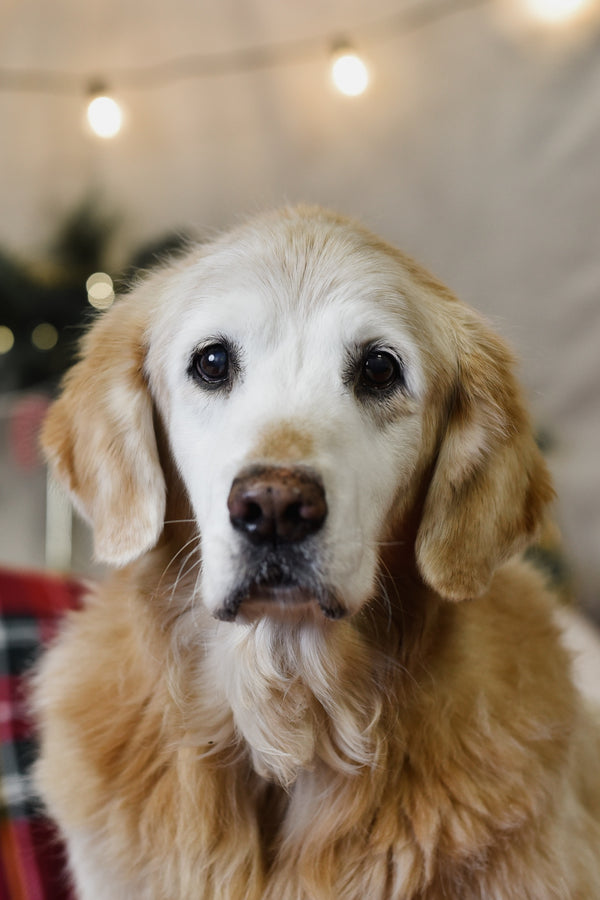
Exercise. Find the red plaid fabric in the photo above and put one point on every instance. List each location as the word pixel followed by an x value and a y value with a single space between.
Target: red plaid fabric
pixel 32 862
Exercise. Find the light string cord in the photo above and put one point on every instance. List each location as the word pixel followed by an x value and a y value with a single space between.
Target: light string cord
pixel 244 59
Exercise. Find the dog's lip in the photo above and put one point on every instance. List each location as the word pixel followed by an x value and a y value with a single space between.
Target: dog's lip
pixel 285 602
pixel 292 594
pixel 281 600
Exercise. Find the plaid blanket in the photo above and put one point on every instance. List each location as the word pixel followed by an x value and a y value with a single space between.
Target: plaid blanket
pixel 32 863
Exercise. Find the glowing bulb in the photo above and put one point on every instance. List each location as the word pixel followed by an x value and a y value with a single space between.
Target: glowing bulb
pixel 555 11
pixel 349 73
pixel 104 116
pixel 100 290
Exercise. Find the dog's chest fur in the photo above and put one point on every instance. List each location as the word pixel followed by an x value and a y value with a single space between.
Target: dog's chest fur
pixel 296 747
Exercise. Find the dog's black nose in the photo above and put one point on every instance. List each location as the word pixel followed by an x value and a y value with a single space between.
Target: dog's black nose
pixel 272 504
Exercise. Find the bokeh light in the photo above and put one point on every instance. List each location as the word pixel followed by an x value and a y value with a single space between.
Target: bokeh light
pixel 44 336
pixel 7 339
pixel 100 290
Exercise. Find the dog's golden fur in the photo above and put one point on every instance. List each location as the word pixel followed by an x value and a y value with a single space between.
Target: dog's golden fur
pixel 420 749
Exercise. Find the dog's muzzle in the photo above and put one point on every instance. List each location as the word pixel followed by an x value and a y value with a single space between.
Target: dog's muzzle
pixel 276 511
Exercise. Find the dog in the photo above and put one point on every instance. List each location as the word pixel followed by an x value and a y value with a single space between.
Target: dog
pixel 322 668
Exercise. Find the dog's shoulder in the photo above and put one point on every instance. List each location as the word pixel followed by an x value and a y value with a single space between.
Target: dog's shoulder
pixel 99 697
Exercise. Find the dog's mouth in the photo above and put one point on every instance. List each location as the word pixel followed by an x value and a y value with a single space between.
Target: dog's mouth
pixel 274 589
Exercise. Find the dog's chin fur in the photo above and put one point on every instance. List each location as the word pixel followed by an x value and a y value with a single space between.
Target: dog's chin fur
pixel 296 670
pixel 388 716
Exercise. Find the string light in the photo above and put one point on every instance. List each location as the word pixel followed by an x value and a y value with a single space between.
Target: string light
pixel 348 71
pixel 104 114
pixel 556 12
pixel 207 65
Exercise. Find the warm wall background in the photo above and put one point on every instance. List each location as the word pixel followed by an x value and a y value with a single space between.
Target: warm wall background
pixel 476 148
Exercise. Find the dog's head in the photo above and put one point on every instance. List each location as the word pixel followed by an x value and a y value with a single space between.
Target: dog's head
pixel 319 391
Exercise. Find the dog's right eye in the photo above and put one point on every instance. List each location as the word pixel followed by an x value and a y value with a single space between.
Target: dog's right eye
pixel 211 364
pixel 380 370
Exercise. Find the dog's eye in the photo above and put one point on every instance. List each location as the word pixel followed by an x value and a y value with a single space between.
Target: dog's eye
pixel 380 370
pixel 211 364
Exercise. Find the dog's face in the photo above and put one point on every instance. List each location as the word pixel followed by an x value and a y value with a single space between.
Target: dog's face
pixel 292 386
pixel 315 386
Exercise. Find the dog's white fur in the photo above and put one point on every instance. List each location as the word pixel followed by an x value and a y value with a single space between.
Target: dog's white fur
pixel 361 734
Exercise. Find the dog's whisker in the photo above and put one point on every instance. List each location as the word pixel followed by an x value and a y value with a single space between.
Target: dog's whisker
pixel 195 593
pixel 193 540
pixel 390 543
pixel 384 577
pixel 191 521
pixel 183 572
pixel 195 550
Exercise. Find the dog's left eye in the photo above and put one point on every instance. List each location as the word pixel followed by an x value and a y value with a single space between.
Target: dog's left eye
pixel 380 370
pixel 211 364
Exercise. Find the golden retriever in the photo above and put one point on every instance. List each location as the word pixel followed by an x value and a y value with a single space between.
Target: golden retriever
pixel 321 670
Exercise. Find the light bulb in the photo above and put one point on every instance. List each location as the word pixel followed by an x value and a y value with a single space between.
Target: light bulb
pixel 349 73
pixel 104 116
pixel 555 11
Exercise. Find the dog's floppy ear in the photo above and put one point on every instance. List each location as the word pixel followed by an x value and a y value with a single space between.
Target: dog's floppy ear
pixel 490 484
pixel 99 437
